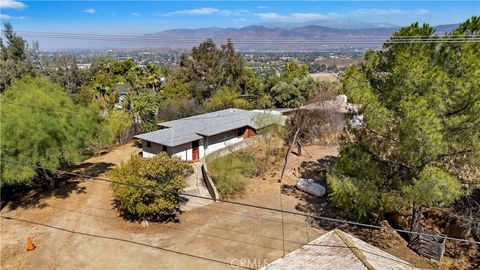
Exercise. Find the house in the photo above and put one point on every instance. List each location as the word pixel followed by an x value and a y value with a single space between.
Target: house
pixel 338 250
pixel 194 137
pixel 122 89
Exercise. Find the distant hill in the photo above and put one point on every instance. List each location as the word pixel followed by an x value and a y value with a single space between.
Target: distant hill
pixel 304 37
pixel 333 23
pixel 445 28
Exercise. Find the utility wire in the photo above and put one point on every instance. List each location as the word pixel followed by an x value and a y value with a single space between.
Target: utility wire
pixel 249 40
pixel 246 204
pixel 190 118
pixel 173 36
pixel 269 42
pixel 316 39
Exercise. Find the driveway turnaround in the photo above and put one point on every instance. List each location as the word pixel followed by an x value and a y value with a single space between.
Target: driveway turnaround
pixel 77 227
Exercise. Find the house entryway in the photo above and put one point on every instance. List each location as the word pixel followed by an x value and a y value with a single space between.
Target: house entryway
pixel 195 150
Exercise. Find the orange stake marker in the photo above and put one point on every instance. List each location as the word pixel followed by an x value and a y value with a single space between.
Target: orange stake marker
pixel 30 245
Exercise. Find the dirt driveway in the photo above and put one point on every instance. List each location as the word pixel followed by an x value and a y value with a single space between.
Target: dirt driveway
pixel 77 228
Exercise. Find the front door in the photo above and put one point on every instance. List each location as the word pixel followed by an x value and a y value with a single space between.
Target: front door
pixel 195 150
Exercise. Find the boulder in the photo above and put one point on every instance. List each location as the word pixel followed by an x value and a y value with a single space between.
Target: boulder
pixel 310 187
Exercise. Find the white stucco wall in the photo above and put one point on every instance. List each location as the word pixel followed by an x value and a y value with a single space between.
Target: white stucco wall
pixel 221 140
pixel 185 152
pixel 148 152
pixel 202 150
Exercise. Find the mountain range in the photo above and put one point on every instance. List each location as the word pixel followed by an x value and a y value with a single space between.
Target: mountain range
pixel 282 36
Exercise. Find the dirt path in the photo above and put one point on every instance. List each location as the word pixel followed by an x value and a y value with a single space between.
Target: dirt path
pixel 79 229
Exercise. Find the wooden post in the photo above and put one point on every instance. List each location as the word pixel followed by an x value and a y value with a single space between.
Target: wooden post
pixel 304 149
pixel 288 153
pixel 299 148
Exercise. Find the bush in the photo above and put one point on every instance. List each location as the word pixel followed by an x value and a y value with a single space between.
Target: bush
pixel 229 172
pixel 230 183
pixel 149 188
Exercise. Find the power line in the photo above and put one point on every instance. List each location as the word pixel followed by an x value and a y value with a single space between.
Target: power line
pixel 226 37
pixel 269 42
pixel 245 204
pixel 250 40
pixel 126 241
pixel 60 111
pixel 173 37
pixel 190 118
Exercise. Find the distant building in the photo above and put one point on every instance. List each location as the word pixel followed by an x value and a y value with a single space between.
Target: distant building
pixel 194 137
pixel 338 250
pixel 83 66
pixel 122 89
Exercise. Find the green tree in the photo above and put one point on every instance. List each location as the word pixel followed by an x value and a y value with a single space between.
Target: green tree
pixel 45 134
pixel 16 46
pixel 64 71
pixel 251 84
pixel 293 87
pixel 14 60
pixel 286 95
pixel 175 108
pixel 176 89
pixel 144 108
pixel 231 64
pixel 224 98
pixel 114 129
pixel 208 68
pixel 420 105
pixel 149 188
pixel 203 68
pixel 293 70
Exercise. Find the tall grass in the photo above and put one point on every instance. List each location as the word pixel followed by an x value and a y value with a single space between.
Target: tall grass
pixel 230 172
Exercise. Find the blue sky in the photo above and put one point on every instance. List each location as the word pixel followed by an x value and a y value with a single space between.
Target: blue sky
pixel 141 17
pixel 138 17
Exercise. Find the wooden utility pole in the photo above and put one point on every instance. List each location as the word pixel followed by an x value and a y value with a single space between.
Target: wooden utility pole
pixel 288 153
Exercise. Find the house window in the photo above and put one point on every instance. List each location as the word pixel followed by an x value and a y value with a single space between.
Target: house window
pixel 164 148
pixel 149 144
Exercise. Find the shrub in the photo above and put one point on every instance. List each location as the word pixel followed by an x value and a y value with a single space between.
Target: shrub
pixel 148 189
pixel 229 172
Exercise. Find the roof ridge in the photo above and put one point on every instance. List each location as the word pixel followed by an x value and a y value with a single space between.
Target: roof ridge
pixel 355 250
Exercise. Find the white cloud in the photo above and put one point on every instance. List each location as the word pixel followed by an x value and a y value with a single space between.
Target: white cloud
pixel 5 17
pixel 235 12
pixel 8 17
pixel 197 11
pixel 135 14
pixel 262 7
pixel 296 17
pixel 314 16
pixel 390 11
pixel 90 10
pixel 12 4
pixel 270 16
pixel 240 20
pixel 208 11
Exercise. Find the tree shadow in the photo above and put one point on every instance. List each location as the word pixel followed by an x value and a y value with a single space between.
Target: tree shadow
pixel 33 196
pixel 312 205
pixel 316 170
